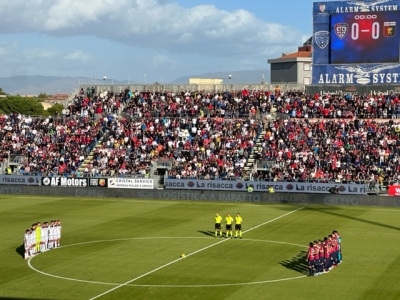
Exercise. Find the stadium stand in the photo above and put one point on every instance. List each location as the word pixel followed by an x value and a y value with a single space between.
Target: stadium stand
pixel 260 135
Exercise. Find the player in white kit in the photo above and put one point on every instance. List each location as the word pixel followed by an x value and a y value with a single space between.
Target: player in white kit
pixel 26 244
pixel 55 233
pixel 44 237
pixel 39 239
pixel 32 238
pixel 51 235
pixel 58 235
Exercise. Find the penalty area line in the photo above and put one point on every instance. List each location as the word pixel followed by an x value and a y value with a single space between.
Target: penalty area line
pixel 191 254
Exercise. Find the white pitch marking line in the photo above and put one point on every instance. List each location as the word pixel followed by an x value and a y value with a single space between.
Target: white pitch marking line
pixel 179 259
pixel 140 238
pixel 284 243
pixel 216 285
pixel 161 285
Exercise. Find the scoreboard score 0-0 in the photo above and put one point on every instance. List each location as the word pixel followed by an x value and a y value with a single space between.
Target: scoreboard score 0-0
pixel 364 38
pixel 356 42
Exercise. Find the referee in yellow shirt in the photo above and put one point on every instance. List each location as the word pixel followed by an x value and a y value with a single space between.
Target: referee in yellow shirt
pixel 228 225
pixel 218 220
pixel 238 225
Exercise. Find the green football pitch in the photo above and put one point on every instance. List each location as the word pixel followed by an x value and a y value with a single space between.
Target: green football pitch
pixel 130 249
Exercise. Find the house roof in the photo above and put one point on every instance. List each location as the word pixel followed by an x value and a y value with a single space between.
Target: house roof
pixel 297 54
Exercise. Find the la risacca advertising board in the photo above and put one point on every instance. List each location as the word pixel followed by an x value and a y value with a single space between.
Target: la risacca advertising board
pixel 262 186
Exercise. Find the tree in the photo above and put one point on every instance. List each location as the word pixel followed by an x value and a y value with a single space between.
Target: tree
pixel 43 96
pixel 56 108
pixel 23 105
pixel 2 92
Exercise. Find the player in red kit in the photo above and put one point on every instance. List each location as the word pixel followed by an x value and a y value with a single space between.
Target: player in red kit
pixel 325 255
pixel 311 259
pixel 321 257
pixel 328 264
pixel 316 258
pixel 333 250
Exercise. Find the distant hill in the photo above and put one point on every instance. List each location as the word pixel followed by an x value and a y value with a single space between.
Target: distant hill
pixel 34 85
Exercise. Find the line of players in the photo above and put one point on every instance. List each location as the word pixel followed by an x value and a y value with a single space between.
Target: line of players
pixel 228 226
pixel 42 237
pixel 323 255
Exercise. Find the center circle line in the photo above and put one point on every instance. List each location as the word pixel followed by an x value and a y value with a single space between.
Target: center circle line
pixel 162 285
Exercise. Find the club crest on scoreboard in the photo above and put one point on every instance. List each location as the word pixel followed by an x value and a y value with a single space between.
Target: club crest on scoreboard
pixel 322 7
pixel 341 30
pixel 389 29
pixel 322 39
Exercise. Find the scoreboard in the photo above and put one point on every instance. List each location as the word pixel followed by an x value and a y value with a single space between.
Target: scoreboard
pixel 364 38
pixel 356 42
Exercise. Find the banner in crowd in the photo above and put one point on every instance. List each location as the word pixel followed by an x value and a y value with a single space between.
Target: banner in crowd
pixel 65 181
pixel 20 179
pixel 130 183
pixel 262 186
pixel 394 190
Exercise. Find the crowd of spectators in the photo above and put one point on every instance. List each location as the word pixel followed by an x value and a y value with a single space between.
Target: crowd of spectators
pixel 48 145
pixel 244 103
pixel 350 138
pixel 209 147
pixel 355 151
pixel 57 145
pixel 364 106
pixel 204 134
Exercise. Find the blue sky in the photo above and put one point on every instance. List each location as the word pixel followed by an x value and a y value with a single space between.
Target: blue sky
pixel 150 40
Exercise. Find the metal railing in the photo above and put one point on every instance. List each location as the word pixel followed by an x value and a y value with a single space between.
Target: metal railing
pixel 163 163
pixel 235 114
pixel 181 87
pixel 229 116
pixel 80 175
pixel 309 180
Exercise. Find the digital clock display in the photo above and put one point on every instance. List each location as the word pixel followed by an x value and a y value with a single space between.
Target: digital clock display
pixel 365 37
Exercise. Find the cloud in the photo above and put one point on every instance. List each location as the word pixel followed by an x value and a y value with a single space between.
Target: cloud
pixel 78 55
pixel 15 59
pixel 203 29
pixel 163 61
pixel 6 48
pixel 9 54
pixel 39 53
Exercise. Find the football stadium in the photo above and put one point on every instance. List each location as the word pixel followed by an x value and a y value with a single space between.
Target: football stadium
pixel 221 192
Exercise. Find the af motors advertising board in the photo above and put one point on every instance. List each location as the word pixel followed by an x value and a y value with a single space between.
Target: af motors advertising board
pixel 130 183
pixel 65 181
pixel 262 186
